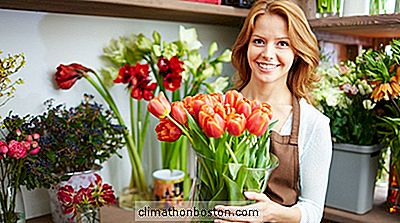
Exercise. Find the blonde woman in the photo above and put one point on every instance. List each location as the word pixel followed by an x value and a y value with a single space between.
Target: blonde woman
pixel 275 55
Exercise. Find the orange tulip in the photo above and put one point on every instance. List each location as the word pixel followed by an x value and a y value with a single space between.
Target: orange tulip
pixel 236 124
pixel 233 97
pixel 167 131
pixel 257 122
pixel 244 107
pixel 159 106
pixel 212 124
pixel 178 112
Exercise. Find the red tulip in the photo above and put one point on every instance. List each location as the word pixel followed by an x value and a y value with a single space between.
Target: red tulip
pixel 167 131
pixel 172 81
pixel 236 124
pixel 233 97
pixel 67 75
pixel 257 122
pixel 178 112
pixel 159 106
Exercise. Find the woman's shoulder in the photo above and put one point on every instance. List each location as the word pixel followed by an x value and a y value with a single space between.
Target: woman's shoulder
pixel 312 116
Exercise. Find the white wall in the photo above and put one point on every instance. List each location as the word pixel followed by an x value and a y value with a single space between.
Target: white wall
pixel 48 39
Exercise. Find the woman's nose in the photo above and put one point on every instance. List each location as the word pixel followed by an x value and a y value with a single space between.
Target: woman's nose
pixel 268 53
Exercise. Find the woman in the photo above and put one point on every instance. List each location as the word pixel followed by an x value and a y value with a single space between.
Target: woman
pixel 275 55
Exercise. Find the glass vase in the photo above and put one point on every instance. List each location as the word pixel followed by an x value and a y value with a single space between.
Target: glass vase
pixel 76 180
pixel 88 216
pixel 128 196
pixel 12 205
pixel 217 182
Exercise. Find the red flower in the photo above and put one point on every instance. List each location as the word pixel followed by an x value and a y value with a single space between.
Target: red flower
pixel 175 65
pixel 172 81
pixel 17 149
pixel 138 80
pixel 124 75
pixel 66 197
pixel 67 75
pixel 163 65
pixel 167 131
pixel 3 148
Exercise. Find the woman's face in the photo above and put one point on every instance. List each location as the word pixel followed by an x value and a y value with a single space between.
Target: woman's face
pixel 269 52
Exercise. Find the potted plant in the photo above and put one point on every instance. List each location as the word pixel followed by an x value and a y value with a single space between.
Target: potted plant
pixel 75 142
pixel 343 95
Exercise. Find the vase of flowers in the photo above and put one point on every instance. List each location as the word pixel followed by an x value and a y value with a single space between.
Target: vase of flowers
pixel 343 95
pixel 230 135
pixel 146 66
pixel 82 204
pixel 75 142
pixel 17 150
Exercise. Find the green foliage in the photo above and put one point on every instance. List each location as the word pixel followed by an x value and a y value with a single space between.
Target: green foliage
pixel 343 96
pixel 72 139
pixel 8 66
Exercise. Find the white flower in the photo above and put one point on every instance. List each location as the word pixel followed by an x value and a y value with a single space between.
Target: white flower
pixel 189 37
pixel 368 104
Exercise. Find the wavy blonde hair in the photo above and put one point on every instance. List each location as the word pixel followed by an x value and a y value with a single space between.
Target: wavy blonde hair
pixel 303 41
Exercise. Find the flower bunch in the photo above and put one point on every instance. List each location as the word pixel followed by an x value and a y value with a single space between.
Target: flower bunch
pixel 82 205
pixel 15 153
pixel 343 94
pixel 144 67
pixel 73 139
pixel 383 71
pixel 229 133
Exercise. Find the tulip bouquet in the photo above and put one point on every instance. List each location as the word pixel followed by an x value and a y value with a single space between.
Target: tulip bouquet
pixel 146 66
pixel 230 135
pixel 83 204
pixel 16 151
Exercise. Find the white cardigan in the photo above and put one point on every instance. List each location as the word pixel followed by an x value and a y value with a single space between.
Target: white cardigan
pixel 315 152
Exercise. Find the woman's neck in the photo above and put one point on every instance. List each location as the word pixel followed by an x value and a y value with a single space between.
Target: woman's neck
pixel 271 93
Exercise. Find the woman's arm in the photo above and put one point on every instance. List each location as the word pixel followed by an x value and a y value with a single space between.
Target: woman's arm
pixel 267 210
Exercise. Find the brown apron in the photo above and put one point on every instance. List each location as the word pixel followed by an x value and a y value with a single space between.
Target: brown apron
pixel 283 184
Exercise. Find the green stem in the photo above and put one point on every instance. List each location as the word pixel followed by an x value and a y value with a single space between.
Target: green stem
pixel 139 126
pixel 231 153
pixel 132 114
pixel 144 131
pixel 137 168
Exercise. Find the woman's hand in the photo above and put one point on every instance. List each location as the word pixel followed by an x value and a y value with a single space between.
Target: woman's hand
pixel 264 210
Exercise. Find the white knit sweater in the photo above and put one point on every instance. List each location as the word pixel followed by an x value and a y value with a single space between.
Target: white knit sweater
pixel 315 152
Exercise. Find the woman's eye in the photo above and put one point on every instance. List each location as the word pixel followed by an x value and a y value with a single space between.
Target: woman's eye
pixel 258 41
pixel 283 44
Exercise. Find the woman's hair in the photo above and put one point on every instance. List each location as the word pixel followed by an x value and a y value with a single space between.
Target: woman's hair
pixel 301 75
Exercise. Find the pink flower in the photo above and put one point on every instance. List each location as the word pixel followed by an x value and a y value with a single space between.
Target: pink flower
pixel 17 149
pixel 34 151
pixel 3 148
pixel 36 136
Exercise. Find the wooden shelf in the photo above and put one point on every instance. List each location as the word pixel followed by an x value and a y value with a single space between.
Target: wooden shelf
pixel 373 26
pixel 171 10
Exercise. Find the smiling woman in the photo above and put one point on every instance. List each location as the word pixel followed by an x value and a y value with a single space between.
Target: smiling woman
pixel 275 55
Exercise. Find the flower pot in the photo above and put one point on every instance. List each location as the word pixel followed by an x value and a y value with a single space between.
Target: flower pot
pixel 352 177
pixel 76 180
pixel 14 204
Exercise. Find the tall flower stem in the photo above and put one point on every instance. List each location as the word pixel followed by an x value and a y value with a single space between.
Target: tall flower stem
pixel 137 169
